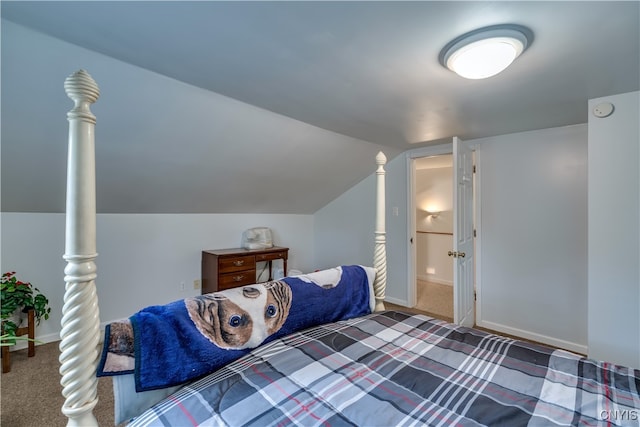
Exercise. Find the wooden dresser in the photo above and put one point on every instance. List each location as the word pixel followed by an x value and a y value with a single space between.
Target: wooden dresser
pixel 230 268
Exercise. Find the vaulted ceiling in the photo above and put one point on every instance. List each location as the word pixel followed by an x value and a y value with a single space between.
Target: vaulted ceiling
pixel 281 106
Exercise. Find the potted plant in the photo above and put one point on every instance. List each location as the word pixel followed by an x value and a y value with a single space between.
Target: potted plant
pixel 18 297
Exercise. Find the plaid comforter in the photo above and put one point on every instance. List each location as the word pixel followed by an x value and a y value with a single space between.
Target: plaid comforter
pixel 393 369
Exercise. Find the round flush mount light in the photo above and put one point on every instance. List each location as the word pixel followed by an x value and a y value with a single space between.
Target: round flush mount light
pixel 486 51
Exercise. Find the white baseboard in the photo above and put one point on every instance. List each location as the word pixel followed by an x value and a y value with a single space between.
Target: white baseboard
pixel 555 342
pixel 53 337
pixel 396 301
pixel 42 339
pixel 429 278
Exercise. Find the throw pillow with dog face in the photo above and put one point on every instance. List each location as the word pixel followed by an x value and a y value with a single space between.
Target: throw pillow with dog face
pixel 188 338
pixel 241 318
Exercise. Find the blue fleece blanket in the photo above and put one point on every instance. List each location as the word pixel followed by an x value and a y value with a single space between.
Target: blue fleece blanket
pixel 189 338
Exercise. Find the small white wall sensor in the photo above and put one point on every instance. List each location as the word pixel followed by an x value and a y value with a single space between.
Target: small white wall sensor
pixel 603 109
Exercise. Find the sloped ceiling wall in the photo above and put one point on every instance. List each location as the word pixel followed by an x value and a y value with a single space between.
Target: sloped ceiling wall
pixel 322 83
pixel 368 70
pixel 162 146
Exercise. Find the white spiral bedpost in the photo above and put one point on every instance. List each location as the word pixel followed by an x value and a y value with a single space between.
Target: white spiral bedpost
pixel 380 254
pixel 80 318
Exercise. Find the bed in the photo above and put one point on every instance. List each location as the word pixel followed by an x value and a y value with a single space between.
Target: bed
pixel 333 364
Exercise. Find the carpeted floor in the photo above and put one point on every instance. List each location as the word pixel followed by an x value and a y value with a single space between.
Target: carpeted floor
pixel 435 299
pixel 31 394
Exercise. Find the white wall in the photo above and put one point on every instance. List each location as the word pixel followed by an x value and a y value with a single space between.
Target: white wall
pixel 533 272
pixel 532 279
pixel 432 262
pixel 142 258
pixel 162 146
pixel 614 231
pixel 343 229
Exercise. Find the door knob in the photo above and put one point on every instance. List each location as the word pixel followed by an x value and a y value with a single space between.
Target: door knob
pixel 461 254
pixel 453 254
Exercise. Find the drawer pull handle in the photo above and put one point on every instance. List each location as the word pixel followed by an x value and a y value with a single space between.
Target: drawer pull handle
pixel 238 278
pixel 238 262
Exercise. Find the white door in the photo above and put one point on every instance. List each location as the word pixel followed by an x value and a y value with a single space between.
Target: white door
pixel 463 270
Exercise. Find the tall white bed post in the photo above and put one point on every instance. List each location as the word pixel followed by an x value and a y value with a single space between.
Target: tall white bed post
pixel 80 334
pixel 380 253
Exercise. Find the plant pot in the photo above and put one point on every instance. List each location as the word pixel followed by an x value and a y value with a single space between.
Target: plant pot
pixel 17 317
pixel 26 309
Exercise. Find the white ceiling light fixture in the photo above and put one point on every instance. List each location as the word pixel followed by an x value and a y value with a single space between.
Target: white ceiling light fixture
pixel 486 51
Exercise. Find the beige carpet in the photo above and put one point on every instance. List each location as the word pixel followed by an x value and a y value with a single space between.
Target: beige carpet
pixel 435 299
pixel 31 391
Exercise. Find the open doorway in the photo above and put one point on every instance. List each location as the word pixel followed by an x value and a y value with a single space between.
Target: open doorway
pixel 433 200
pixel 446 224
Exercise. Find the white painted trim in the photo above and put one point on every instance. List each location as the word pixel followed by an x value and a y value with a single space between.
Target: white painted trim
pixel 428 278
pixel 397 301
pixel 478 228
pixel 566 345
pixel 435 150
pixel 53 337
pixel 40 340
pixel 411 232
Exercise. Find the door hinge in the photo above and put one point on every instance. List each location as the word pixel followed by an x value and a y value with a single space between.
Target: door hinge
pixel 475 234
pixel 474 168
pixel 475 296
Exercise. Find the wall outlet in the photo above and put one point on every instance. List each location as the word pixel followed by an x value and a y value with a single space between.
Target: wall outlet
pixel 431 270
pixel 196 284
pixel 182 286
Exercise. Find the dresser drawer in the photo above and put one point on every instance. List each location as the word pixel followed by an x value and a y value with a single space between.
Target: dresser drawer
pixel 271 257
pixel 229 265
pixel 233 267
pixel 240 278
